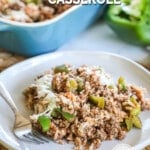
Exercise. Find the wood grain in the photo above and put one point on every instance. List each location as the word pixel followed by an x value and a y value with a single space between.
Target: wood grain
pixel 147 66
pixel 2 147
pixel 8 59
pixel 147 147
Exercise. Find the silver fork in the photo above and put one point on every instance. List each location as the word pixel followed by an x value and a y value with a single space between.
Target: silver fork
pixel 22 126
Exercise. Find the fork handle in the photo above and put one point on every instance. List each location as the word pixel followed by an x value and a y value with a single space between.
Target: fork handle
pixel 7 97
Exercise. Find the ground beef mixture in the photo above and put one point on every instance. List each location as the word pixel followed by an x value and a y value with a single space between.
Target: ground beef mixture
pixel 30 10
pixel 84 106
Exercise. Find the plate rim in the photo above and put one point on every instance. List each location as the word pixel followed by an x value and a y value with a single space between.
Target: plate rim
pixel 22 63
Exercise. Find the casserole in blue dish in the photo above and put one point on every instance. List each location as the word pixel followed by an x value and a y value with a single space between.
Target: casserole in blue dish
pixel 30 39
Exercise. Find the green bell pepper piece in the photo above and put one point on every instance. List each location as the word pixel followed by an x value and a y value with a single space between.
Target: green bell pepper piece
pixel 99 101
pixel 45 123
pixel 61 68
pixel 122 84
pixel 65 115
pixel 131 21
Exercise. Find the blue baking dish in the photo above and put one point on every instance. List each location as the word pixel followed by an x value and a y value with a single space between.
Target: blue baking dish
pixel 30 39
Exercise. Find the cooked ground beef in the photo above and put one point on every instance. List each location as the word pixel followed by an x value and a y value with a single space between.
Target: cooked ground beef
pixel 84 105
pixel 30 10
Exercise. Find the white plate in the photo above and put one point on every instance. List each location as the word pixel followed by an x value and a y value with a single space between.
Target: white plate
pixel 21 75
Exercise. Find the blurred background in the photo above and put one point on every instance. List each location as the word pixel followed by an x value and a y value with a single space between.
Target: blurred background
pixel 122 29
